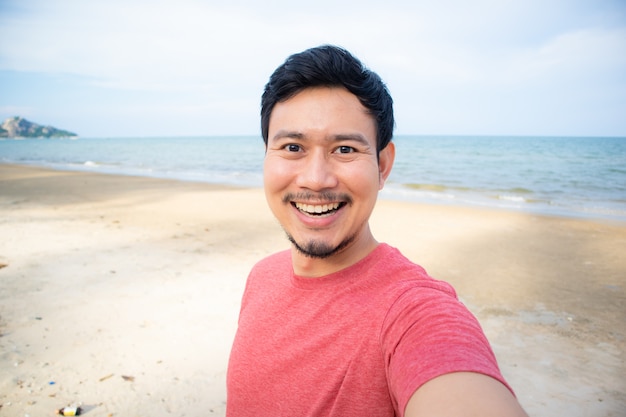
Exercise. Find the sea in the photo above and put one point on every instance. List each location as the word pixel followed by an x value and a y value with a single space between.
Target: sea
pixel 558 176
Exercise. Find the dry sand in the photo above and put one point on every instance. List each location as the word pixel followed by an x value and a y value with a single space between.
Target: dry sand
pixel 121 294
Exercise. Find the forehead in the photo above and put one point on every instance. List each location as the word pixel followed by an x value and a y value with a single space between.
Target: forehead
pixel 323 110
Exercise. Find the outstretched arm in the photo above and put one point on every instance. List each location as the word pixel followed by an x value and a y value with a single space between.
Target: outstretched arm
pixel 463 394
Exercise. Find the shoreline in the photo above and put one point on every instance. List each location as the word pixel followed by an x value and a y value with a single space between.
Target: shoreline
pixel 394 191
pixel 122 293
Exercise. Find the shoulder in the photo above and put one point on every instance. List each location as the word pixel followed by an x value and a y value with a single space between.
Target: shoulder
pixel 266 276
pixel 427 306
pixel 277 264
pixel 277 260
pixel 410 280
pixel 428 331
pixel 271 267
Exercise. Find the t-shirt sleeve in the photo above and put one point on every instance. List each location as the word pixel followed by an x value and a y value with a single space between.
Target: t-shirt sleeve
pixel 428 332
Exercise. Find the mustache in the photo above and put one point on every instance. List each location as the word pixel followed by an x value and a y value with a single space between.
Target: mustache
pixel 323 196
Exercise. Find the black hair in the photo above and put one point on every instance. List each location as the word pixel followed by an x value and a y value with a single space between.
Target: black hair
pixel 330 66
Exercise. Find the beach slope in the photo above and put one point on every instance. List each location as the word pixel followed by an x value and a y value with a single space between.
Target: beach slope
pixel 121 293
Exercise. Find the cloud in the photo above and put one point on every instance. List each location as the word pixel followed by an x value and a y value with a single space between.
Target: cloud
pixel 154 45
pixel 128 44
pixel 577 54
pixel 436 57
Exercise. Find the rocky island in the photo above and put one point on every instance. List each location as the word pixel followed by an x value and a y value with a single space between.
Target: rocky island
pixel 18 127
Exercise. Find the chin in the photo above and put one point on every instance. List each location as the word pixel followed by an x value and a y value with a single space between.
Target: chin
pixel 319 249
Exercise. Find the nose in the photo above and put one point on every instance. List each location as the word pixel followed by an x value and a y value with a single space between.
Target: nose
pixel 317 172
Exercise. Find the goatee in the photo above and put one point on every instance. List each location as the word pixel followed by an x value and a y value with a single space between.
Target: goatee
pixel 319 250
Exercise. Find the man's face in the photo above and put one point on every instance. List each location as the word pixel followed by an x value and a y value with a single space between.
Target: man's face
pixel 321 171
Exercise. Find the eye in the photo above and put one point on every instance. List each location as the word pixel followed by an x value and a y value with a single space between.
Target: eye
pixel 345 149
pixel 292 147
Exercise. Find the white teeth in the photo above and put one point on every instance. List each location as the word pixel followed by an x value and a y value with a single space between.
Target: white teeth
pixel 317 209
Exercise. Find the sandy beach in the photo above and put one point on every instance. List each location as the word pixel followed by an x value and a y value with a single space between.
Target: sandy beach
pixel 121 294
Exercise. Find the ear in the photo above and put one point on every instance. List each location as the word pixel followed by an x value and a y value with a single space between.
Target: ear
pixel 385 162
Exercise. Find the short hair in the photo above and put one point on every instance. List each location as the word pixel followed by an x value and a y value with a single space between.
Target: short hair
pixel 330 66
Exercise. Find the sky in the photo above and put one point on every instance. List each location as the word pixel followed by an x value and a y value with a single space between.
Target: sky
pixel 118 68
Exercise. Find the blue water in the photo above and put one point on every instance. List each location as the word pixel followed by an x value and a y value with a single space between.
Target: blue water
pixel 563 176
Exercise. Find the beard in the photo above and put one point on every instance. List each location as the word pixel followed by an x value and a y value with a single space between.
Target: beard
pixel 320 250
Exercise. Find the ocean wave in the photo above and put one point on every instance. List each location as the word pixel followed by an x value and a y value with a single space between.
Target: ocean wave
pixel 435 187
pixel 512 198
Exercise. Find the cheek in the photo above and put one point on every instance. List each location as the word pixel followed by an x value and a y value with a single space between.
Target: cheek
pixel 276 174
pixel 362 178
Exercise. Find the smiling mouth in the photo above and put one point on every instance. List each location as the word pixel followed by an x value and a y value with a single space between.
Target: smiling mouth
pixel 318 209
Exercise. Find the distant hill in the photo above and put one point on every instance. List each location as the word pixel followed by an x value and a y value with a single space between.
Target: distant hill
pixel 18 127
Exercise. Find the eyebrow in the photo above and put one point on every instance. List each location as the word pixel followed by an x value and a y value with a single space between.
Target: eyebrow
pixel 357 137
pixel 289 134
pixel 282 134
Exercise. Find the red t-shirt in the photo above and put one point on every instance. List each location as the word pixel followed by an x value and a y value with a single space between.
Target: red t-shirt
pixel 358 342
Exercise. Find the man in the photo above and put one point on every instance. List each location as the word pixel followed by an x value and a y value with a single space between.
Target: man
pixel 341 325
